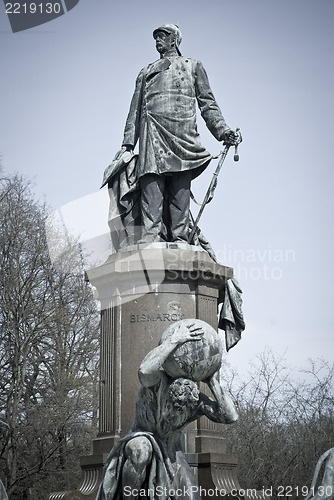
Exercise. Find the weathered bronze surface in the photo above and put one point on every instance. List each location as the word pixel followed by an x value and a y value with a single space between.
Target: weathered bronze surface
pixel 149 460
pixel 162 119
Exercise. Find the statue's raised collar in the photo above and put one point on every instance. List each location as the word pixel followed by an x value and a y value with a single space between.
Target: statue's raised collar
pixel 170 53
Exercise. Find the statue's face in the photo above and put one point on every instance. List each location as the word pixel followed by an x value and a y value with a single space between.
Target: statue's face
pixel 164 41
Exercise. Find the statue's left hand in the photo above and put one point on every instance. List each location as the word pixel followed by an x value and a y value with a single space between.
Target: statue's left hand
pixel 183 333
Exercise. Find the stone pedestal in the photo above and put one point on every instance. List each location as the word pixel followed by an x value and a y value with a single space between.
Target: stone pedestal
pixel 142 292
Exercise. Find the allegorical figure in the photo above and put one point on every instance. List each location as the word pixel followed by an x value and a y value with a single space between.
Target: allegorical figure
pixel 149 461
pixel 162 118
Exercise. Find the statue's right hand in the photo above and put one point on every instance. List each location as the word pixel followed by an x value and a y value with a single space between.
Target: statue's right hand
pixel 184 333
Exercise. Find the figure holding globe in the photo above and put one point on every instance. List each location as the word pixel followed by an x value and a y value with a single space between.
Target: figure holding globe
pixel 150 455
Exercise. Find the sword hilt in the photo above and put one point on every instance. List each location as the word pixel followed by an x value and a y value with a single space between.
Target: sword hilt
pixel 236 154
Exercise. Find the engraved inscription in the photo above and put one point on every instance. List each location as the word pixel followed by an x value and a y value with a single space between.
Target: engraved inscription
pixel 174 314
pixel 139 318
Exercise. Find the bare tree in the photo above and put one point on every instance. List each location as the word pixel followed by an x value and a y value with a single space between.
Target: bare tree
pixel 48 349
pixel 284 425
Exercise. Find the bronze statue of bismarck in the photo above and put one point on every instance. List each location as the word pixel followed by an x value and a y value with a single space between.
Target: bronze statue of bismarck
pixel 162 118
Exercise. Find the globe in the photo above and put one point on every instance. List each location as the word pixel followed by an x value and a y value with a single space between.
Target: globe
pixel 195 359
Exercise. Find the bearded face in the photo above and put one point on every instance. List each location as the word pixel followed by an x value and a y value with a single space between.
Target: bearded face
pixel 184 394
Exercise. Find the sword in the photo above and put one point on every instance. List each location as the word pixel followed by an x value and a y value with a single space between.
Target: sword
pixel 213 184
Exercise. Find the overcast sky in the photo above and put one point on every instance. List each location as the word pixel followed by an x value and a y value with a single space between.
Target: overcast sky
pixel 65 93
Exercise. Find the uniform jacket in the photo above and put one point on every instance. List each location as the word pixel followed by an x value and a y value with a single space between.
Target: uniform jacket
pixel 163 117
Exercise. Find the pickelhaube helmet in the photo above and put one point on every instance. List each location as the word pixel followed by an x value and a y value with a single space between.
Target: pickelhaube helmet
pixel 171 28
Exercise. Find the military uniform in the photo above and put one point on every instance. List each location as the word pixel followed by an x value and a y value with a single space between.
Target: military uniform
pixel 163 117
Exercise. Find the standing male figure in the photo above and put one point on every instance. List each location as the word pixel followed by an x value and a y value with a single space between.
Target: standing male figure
pixel 162 117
